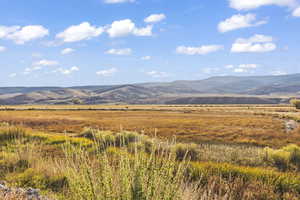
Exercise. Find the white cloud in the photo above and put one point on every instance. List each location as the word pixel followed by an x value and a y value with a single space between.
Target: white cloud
pixel 146 58
pixel 278 73
pixel 118 1
pixel 127 27
pixel 21 35
pixel 254 44
pixel 248 66
pixel 119 52
pixel 239 21
pixel 39 65
pixel 107 72
pixel 243 68
pixel 2 48
pixel 67 51
pixel 157 74
pixel 202 50
pixel 252 4
pixel 6 30
pixel 154 18
pixel 121 28
pixel 67 71
pixel 296 12
pixel 83 31
pixel 240 70
pixel 46 63
pixel 146 31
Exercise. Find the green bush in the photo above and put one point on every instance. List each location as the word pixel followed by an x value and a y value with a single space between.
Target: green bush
pixel 287 158
pixel 294 158
pixel 34 179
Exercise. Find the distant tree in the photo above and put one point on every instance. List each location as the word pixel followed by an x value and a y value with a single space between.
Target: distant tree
pixel 296 103
pixel 77 101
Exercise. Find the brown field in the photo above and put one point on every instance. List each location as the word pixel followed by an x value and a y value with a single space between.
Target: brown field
pixel 258 125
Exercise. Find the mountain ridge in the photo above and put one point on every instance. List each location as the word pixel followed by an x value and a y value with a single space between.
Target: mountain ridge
pixel 263 88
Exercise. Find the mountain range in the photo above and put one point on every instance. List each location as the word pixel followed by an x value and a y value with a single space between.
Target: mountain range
pixel 214 90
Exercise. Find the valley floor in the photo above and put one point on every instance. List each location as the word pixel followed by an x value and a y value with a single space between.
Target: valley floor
pixel 152 152
pixel 254 124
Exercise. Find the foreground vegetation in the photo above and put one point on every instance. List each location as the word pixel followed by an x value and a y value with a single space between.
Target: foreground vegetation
pixel 105 165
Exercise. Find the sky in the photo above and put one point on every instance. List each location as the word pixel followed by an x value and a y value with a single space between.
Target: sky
pixel 99 42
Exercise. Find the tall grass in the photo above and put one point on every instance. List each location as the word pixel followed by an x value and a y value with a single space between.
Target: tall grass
pixel 116 174
pixel 123 166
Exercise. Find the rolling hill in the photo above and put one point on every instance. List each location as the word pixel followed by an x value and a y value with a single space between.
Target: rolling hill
pixel 216 90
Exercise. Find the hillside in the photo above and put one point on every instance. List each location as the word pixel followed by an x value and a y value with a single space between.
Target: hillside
pixel 215 90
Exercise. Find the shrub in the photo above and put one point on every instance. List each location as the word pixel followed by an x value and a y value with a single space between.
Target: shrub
pixel 287 158
pixel 32 178
pixel 294 151
pixel 296 103
pixel 282 182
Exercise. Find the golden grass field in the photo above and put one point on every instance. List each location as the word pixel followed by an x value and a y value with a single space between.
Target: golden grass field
pixel 223 152
pixel 244 124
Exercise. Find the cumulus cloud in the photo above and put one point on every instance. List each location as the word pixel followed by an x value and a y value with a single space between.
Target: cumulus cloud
pixel 107 72
pixel 83 31
pixel 157 74
pixel 239 21
pixel 67 51
pixel 2 48
pixel 120 52
pixel 252 4
pixel 118 1
pixel 296 12
pixel 67 71
pixel 202 50
pixel 86 31
pixel 40 65
pixel 7 30
pixel 127 27
pixel 154 18
pixel 21 35
pixel 146 31
pixel 254 44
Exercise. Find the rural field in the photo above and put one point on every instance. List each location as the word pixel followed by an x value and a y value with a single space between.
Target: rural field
pixel 258 125
pixel 207 152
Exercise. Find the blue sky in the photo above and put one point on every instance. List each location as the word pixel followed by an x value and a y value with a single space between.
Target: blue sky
pixel 96 42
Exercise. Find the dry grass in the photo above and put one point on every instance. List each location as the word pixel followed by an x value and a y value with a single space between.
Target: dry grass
pixel 120 172
pixel 258 125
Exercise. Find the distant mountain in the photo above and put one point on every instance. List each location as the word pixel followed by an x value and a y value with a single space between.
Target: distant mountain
pixel 216 90
pixel 233 84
